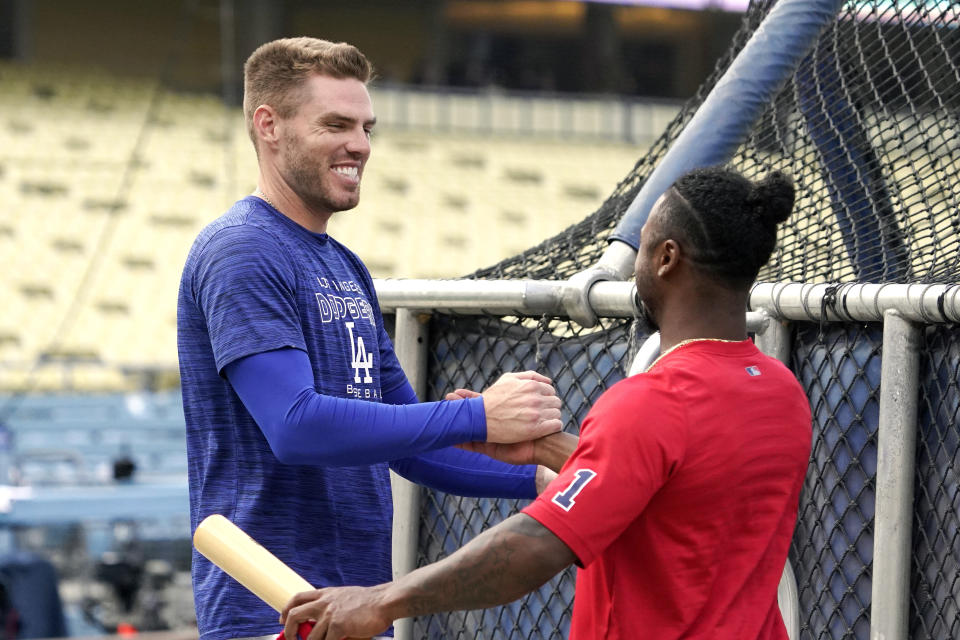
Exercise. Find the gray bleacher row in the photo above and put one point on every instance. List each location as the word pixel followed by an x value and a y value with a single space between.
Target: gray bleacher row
pixel 72 439
pixel 130 180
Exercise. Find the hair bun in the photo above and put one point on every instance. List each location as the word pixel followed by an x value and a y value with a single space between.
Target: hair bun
pixel 773 197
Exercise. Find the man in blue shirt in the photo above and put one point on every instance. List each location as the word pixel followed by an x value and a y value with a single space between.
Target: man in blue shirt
pixel 295 402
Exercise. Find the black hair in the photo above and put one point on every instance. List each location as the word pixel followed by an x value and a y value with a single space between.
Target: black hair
pixel 726 223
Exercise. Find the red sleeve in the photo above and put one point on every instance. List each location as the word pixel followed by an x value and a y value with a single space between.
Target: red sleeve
pixel 630 442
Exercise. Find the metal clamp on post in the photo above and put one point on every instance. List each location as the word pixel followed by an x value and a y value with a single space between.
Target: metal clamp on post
pixel 635 300
pixel 616 263
pixel 576 293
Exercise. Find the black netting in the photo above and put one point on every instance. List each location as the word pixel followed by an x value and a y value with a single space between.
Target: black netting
pixel 580 245
pixel 867 126
pixel 935 602
pixel 472 352
pixel 832 549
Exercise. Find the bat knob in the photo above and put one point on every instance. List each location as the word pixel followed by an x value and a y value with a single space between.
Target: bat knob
pixel 302 631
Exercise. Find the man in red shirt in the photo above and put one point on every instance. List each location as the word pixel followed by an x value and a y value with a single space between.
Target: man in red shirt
pixel 680 499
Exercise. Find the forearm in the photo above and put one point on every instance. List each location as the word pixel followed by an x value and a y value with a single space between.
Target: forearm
pixel 464 473
pixel 319 429
pixel 306 427
pixel 543 478
pixel 553 451
pixel 496 567
pixel 549 453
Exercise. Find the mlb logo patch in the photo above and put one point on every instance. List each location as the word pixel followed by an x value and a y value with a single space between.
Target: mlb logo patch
pixel 753 371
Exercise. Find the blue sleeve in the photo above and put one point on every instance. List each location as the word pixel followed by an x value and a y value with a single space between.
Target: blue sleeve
pixel 393 380
pixel 465 473
pixel 401 394
pixel 306 427
pixel 460 472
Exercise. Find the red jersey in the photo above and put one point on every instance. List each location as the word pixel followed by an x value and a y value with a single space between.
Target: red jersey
pixel 681 498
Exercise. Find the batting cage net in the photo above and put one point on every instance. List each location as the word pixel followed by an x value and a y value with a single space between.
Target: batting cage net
pixel 867 126
pixel 935 578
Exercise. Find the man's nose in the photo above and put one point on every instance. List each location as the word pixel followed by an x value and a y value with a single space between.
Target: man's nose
pixel 359 142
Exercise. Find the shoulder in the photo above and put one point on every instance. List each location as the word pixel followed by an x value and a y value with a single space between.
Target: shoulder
pixel 243 226
pixel 629 404
pixel 639 389
pixel 705 360
pixel 343 249
pixel 348 254
pixel 732 372
pixel 357 265
pixel 638 419
pixel 244 236
pixel 241 243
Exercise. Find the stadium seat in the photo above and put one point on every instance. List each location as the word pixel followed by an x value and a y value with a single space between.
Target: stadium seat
pixel 104 209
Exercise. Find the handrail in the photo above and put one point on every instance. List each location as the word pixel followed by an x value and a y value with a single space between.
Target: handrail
pixel 931 303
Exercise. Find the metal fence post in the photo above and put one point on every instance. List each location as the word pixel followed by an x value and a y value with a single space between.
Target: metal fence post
pixel 773 339
pixel 896 446
pixel 410 341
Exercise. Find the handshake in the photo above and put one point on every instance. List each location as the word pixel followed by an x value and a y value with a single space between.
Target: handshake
pixel 523 421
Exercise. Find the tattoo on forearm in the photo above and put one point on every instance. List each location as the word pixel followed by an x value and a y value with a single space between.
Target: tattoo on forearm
pixel 498 566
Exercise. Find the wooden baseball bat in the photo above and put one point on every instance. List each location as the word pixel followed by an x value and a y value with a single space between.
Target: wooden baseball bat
pixel 244 559
pixel 230 548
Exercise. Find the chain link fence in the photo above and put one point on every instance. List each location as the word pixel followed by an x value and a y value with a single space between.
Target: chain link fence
pixel 867 126
pixel 472 352
pixel 838 364
pixel 832 551
pixel 935 589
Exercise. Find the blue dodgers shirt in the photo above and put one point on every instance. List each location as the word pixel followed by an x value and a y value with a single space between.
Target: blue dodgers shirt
pixel 255 281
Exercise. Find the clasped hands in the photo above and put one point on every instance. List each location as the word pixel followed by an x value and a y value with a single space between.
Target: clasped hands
pixel 523 427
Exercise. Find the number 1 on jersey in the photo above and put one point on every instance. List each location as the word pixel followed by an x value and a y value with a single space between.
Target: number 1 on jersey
pixel 565 499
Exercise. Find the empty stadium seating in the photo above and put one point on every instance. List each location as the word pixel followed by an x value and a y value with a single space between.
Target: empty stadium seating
pixel 69 439
pixel 107 180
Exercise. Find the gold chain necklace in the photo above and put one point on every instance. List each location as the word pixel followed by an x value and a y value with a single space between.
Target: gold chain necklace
pixel 263 196
pixel 682 343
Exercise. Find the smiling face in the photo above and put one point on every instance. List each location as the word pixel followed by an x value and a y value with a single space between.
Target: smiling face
pixel 324 146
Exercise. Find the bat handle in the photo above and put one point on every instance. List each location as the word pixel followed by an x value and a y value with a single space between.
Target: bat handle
pixel 302 631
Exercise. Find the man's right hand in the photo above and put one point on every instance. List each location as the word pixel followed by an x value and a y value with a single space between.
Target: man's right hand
pixel 521 406
pixel 549 451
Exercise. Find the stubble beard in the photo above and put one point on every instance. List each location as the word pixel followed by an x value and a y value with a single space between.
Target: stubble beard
pixel 645 320
pixel 307 179
pixel 647 324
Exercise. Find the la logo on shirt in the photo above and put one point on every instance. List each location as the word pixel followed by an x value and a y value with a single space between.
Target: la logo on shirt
pixel 335 306
pixel 359 358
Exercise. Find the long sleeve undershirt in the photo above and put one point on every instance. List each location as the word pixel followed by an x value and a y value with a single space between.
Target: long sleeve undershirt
pixel 306 427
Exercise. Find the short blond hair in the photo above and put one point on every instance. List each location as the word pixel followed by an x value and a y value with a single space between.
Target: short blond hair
pixel 274 74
